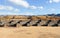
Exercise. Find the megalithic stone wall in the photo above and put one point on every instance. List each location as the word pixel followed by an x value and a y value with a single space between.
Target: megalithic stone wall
pixel 18 21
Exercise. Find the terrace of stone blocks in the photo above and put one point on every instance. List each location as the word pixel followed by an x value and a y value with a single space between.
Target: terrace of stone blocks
pixel 18 21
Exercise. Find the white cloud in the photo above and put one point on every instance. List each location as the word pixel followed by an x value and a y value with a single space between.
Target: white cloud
pixel 20 2
pixel 28 13
pixel 33 7
pixel 25 4
pixel 16 10
pixel 56 1
pixel 2 7
pixel 17 13
pixel 41 7
pixel 51 9
pixel 9 13
pixel 50 1
pixel 8 8
pixel 37 7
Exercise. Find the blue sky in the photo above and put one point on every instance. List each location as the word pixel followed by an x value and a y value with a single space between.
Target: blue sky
pixel 29 7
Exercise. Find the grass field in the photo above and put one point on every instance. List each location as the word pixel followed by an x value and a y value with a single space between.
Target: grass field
pixel 30 32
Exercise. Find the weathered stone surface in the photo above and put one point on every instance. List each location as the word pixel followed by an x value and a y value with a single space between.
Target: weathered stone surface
pixel 12 23
pixel 53 23
pixel 33 23
pixel 1 24
pixel 59 24
pixel 24 23
pixel 19 20
pixel 43 23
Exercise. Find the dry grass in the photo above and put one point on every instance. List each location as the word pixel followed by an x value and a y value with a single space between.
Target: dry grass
pixel 30 32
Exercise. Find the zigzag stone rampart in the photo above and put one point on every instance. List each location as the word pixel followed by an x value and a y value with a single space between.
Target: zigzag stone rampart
pixel 18 21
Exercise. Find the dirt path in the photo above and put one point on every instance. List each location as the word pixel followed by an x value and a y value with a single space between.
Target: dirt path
pixel 30 32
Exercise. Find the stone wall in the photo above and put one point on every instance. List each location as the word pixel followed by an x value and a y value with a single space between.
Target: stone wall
pixel 18 21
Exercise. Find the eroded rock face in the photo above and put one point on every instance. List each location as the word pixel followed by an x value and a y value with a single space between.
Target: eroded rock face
pixel 13 21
